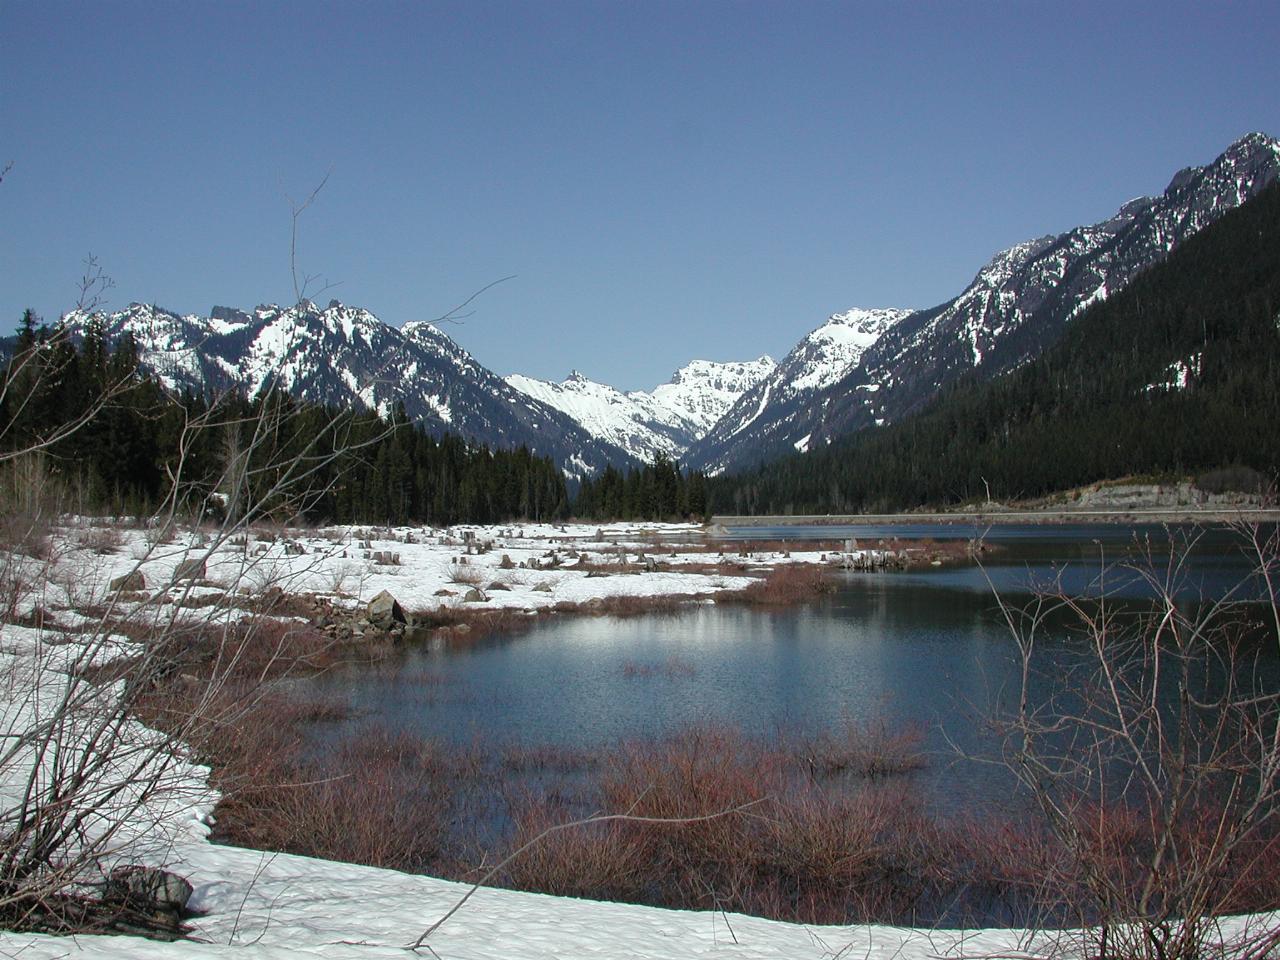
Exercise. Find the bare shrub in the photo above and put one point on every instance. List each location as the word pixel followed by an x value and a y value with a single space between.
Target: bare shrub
pixel 545 757
pixel 869 748
pixel 793 583
pixel 379 799
pixel 671 668
pixel 716 820
pixel 1154 759
pixel 102 540
pixel 597 860
pixel 85 782
pixel 466 575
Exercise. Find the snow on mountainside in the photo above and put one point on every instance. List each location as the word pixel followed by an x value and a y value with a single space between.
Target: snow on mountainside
pixel 820 359
pixel 665 420
pixel 345 356
pixel 1014 308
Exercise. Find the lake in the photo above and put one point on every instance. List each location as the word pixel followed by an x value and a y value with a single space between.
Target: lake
pixel 927 647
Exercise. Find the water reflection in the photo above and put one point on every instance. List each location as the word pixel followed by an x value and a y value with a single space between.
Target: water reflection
pixel 928 648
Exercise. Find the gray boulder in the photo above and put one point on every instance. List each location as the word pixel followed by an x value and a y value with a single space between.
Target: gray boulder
pixel 384 612
pixel 192 568
pixel 129 583
pixel 149 887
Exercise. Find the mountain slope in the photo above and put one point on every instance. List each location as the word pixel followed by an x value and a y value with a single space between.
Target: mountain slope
pixel 344 356
pixel 1021 302
pixel 1016 306
pixel 666 420
pixel 820 359
pixel 1177 373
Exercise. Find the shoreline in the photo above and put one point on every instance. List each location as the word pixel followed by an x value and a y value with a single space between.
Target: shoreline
pixel 1216 516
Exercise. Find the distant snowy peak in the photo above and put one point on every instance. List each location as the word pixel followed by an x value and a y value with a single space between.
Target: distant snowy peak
pixel 344 356
pixel 1019 303
pixel 701 392
pixel 821 358
pixel 827 353
pixel 664 421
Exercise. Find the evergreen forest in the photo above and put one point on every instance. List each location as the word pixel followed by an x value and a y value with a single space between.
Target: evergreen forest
pixel 1176 375
pixel 114 440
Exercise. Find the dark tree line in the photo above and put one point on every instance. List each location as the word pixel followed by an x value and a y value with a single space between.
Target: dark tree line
pixel 115 454
pixel 1177 374
pixel 137 442
pixel 654 491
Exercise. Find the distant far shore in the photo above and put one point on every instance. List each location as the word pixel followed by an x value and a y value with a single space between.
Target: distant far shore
pixel 1152 515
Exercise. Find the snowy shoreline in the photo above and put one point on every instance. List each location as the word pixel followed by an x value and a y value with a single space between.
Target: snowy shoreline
pixel 270 905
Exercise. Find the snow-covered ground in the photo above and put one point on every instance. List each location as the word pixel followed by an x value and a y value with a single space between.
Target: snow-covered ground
pixel 539 565
pixel 267 905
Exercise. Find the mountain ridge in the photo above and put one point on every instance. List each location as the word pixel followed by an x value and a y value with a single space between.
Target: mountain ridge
pixel 1017 304
pixel 663 421
pixel 341 355
pixel 859 369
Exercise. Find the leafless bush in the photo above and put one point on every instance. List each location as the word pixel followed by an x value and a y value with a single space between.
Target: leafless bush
pixel 671 668
pixel 84 782
pixel 1154 758
pixel 378 800
pixel 790 584
pixel 869 748
pixel 717 820
pixel 102 540
pixel 465 574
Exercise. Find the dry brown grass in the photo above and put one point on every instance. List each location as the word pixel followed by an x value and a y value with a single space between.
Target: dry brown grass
pixel 780 846
pixel 869 748
pixel 793 583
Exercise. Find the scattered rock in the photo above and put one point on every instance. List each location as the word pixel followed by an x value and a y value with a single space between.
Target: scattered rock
pixel 130 582
pixel 596 573
pixel 148 888
pixel 496 585
pixel 543 588
pixel 445 592
pixel 384 611
pixel 190 569
pixel 475 595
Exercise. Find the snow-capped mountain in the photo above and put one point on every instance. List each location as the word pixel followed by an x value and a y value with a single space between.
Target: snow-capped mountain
pixel 1013 309
pixel 823 357
pixel 345 356
pixel 665 420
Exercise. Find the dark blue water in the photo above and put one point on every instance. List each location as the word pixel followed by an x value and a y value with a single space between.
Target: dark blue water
pixel 928 648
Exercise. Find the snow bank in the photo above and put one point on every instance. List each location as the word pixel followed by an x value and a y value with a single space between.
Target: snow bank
pixel 264 906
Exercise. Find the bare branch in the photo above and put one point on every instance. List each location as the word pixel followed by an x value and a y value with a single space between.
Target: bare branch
pixel 295 210
pixel 452 316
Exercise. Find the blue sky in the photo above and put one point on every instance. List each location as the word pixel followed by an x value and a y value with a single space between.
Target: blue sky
pixel 666 180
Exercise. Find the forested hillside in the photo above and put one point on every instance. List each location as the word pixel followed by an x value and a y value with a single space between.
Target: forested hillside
pixel 104 436
pixel 1177 374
